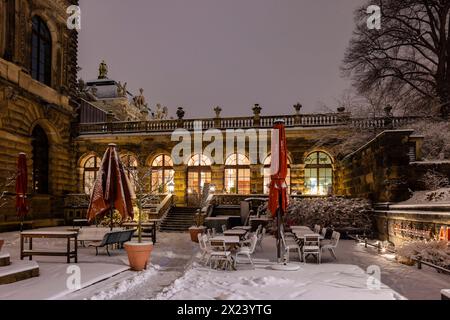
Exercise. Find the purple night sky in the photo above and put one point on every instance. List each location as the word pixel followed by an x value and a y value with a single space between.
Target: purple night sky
pixel 233 53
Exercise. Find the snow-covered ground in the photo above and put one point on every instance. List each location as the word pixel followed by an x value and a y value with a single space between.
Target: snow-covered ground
pixel 175 274
pixel 311 282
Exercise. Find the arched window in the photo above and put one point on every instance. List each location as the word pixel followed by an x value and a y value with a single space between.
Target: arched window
pixel 237 174
pixel 318 174
pixel 199 174
pixel 162 173
pixel 91 168
pixel 41 52
pixel 131 164
pixel 40 160
pixel 267 163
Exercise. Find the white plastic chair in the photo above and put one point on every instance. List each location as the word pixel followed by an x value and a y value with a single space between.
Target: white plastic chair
pixel 205 251
pixel 219 253
pixel 324 232
pixel 247 251
pixel 333 244
pixel 260 238
pixel 316 228
pixel 311 246
pixel 289 246
pixel 224 228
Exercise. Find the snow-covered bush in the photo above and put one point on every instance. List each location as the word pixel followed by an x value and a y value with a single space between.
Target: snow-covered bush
pixel 436 145
pixel 434 180
pixel 332 212
pixel 436 252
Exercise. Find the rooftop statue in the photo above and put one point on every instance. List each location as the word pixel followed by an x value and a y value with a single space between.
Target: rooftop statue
pixel 103 70
pixel 139 101
pixel 121 89
pixel 160 113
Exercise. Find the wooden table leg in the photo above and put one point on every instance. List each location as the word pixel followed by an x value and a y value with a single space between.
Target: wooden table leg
pixel 21 247
pixel 31 247
pixel 76 249
pixel 68 250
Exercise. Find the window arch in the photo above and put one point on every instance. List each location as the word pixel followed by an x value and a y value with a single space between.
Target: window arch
pixel 90 170
pixel 199 174
pixel 237 174
pixel 267 163
pixel 41 51
pixel 162 173
pixel 130 163
pixel 40 147
pixel 318 174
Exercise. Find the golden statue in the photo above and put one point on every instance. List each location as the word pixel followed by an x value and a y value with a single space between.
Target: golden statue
pixel 103 70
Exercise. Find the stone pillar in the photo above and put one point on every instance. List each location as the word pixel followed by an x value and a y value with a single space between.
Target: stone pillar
pixel 257 179
pixel 298 178
pixel 217 177
pixel 180 179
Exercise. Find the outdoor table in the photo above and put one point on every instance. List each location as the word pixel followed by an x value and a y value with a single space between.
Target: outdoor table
pixel 229 240
pixel 255 222
pixel 151 223
pixel 235 232
pixel 300 228
pixel 301 233
pixel 79 222
pixel 69 235
pixel 246 228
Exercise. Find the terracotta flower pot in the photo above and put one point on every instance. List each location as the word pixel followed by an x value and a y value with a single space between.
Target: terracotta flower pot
pixel 138 254
pixel 1 244
pixel 194 231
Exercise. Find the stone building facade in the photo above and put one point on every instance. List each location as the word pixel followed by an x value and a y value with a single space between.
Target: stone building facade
pixel 38 66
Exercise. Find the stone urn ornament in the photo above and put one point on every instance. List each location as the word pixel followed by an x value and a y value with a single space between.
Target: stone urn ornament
pixel 180 113
pixel 217 110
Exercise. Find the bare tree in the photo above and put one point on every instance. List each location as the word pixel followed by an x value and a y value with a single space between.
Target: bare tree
pixel 408 58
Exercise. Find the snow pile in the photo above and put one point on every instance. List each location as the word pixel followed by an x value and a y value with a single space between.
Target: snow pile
pixel 436 252
pixel 323 282
pixel 129 284
pixel 430 197
pixel 332 212
pixel 436 143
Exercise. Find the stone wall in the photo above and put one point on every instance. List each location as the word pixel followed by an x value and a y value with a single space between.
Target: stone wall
pixel 419 168
pixel 380 169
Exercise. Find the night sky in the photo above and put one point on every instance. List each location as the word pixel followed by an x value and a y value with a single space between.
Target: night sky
pixel 233 53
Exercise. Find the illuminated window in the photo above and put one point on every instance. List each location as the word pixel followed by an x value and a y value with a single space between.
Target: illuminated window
pixel 318 174
pixel 162 173
pixel 237 174
pixel 91 168
pixel 199 174
pixel 41 51
pixel 130 164
pixel 267 163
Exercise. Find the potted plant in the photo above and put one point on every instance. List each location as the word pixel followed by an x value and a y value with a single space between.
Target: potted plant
pixel 139 251
pixel 199 218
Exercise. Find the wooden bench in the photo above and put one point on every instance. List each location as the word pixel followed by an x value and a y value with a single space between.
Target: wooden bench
pixel 30 252
pixel 113 238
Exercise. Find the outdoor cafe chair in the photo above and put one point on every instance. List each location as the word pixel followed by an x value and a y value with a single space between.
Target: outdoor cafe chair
pixel 219 254
pixel 311 246
pixel 333 244
pixel 205 251
pixel 224 228
pixel 289 246
pixel 247 251
pixel 316 228
pixel 324 232
pixel 260 238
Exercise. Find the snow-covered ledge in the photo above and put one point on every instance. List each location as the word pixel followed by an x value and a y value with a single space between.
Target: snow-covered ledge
pixel 445 294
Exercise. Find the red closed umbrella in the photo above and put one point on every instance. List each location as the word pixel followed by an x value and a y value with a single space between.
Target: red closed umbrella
pixel 21 188
pixel 111 189
pixel 278 188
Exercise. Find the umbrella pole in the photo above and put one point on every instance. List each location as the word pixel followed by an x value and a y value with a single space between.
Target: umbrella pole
pixel 279 215
pixel 111 214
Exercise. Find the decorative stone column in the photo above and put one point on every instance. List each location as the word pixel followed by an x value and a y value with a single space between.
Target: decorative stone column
pixel 298 178
pixel 217 177
pixel 298 118
pixel 257 179
pixel 256 115
pixel 180 179
pixel 217 110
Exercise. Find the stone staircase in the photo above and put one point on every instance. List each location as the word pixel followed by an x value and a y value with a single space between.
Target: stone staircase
pixel 16 271
pixel 178 219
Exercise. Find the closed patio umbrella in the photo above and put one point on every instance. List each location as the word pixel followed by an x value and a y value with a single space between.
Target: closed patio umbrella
pixel 111 189
pixel 278 170
pixel 21 188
